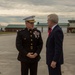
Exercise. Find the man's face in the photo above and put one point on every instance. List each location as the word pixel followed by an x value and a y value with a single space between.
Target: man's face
pixel 50 24
pixel 30 25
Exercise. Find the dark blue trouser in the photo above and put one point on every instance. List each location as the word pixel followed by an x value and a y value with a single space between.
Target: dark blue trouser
pixel 54 71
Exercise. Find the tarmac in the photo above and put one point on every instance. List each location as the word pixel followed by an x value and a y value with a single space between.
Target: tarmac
pixel 9 65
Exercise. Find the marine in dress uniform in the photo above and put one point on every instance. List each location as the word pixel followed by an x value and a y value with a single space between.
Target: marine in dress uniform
pixel 29 44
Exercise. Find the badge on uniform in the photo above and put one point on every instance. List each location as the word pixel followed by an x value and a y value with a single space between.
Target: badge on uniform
pixel 36 34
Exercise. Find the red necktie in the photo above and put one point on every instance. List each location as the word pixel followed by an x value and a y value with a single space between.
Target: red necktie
pixel 49 32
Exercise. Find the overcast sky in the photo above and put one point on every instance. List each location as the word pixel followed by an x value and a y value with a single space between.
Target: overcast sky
pixel 13 11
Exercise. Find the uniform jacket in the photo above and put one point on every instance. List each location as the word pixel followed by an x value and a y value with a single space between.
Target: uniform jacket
pixel 54 46
pixel 29 41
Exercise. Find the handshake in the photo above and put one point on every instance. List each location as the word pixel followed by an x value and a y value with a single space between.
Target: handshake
pixel 32 55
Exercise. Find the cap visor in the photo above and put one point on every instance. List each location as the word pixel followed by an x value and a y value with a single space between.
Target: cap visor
pixel 32 21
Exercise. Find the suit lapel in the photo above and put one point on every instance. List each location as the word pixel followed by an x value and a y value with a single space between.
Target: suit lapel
pixel 54 29
pixel 52 32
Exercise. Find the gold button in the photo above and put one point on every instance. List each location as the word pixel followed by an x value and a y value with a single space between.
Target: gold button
pixel 30 31
pixel 31 47
pixel 24 38
pixel 31 40
pixel 30 35
pixel 31 44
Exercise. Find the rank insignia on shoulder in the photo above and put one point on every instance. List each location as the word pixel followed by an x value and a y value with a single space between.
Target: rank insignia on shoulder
pixel 36 34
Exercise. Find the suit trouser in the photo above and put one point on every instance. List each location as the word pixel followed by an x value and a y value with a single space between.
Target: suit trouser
pixel 55 71
pixel 25 67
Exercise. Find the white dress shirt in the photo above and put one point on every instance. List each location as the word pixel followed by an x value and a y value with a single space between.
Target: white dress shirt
pixel 54 26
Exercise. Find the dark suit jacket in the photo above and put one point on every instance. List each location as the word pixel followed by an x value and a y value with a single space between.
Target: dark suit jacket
pixel 26 42
pixel 54 46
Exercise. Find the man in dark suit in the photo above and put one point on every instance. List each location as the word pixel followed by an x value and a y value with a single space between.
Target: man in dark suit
pixel 29 44
pixel 54 46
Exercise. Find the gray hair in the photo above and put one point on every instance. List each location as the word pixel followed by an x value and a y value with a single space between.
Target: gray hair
pixel 53 18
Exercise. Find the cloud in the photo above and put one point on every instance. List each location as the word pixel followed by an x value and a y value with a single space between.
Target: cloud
pixel 17 9
pixel 28 4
